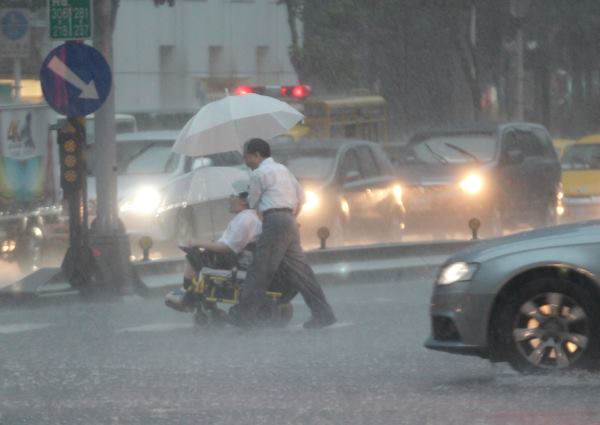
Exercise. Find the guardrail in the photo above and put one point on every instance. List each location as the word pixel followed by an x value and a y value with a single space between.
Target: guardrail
pixel 332 266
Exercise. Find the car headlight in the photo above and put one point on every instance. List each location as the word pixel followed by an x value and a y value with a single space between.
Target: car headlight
pixel 312 200
pixel 144 201
pixel 457 272
pixel 472 184
pixel 397 191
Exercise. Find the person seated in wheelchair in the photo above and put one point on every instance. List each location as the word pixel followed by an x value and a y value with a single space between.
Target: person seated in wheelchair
pixel 230 251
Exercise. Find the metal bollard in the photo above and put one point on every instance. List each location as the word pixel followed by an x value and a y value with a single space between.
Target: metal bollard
pixel 474 225
pixel 146 244
pixel 323 234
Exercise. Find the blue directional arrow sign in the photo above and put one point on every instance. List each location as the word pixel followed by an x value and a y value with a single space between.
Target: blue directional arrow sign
pixel 76 79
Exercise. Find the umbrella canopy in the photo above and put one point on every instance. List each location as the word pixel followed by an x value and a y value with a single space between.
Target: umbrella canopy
pixel 224 125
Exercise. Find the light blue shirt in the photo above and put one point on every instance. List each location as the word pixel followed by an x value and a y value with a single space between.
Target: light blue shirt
pixel 272 185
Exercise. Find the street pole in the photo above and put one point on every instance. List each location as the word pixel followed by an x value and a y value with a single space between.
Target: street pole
pixel 106 178
pixel 518 9
pixel 108 239
pixel 520 77
pixel 18 79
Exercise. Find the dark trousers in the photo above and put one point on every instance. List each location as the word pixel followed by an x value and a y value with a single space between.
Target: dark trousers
pixel 278 249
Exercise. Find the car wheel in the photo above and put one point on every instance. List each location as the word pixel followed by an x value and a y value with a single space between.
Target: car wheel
pixel 548 325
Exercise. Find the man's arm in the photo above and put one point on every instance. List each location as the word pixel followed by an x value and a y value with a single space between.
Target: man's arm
pixel 219 247
pixel 254 190
pixel 300 196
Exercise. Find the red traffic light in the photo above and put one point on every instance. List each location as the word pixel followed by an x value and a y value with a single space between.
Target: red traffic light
pixel 241 90
pixel 299 92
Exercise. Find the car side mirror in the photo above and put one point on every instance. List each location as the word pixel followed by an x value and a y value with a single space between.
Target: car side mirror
pixel 351 176
pixel 515 156
pixel 201 162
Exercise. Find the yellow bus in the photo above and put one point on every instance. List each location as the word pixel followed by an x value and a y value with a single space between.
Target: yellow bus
pixel 357 117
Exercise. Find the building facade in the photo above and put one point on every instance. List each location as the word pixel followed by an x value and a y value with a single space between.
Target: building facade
pixel 184 56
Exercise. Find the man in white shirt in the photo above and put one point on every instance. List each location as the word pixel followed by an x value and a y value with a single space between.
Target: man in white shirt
pixel 278 197
pixel 241 231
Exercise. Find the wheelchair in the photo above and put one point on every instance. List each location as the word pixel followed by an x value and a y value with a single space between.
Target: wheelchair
pixel 218 282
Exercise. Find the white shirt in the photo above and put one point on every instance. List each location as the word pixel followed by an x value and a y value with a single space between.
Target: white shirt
pixel 242 230
pixel 272 185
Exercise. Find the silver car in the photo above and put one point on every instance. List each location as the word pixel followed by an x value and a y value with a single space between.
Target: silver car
pixel 532 299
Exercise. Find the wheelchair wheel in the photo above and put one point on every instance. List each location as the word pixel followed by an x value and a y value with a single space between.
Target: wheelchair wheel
pixel 201 319
pixel 267 314
pixel 285 314
pixel 218 317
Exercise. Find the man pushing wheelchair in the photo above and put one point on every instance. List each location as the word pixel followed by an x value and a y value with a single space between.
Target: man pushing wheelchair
pixel 278 270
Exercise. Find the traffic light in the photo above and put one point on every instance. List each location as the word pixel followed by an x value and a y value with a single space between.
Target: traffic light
pixel 301 91
pixel 296 92
pixel 71 140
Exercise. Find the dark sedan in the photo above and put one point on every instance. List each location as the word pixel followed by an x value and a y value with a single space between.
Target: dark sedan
pixel 350 188
pixel 504 174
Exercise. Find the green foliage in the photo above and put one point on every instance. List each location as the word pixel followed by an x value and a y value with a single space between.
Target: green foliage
pixel 421 54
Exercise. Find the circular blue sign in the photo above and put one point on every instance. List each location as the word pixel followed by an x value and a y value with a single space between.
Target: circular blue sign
pixel 76 79
pixel 14 25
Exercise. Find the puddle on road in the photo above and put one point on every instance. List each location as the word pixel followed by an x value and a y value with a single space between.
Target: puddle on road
pixel 157 327
pixel 22 327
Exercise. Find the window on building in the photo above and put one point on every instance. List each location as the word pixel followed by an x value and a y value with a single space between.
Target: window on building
pixel 215 61
pixel 168 77
pixel 262 64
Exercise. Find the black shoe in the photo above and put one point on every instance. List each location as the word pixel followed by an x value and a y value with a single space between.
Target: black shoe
pixel 319 322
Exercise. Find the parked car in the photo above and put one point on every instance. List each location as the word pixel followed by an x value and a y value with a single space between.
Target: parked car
pixel 502 174
pixel 350 186
pixel 581 180
pixel 152 179
pixel 532 299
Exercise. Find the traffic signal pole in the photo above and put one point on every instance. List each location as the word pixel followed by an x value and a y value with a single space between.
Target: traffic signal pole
pixel 77 264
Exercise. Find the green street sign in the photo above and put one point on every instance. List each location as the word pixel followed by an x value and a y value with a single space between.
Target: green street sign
pixel 70 19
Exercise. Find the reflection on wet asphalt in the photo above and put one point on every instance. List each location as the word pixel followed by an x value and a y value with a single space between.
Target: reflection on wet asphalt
pixel 136 362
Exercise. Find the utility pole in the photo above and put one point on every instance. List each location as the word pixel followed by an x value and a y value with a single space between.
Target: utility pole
pixel 518 9
pixel 108 238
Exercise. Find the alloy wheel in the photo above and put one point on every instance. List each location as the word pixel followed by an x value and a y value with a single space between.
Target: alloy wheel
pixel 551 331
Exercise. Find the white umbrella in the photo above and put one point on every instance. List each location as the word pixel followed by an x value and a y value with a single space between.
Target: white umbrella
pixel 224 125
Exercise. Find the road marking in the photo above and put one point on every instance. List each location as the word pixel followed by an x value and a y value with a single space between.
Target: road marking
pixel 22 327
pixel 88 90
pixel 157 327
pixel 338 325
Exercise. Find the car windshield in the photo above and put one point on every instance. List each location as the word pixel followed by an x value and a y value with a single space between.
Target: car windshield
pixel 314 164
pixel 454 149
pixel 147 157
pixel 581 157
